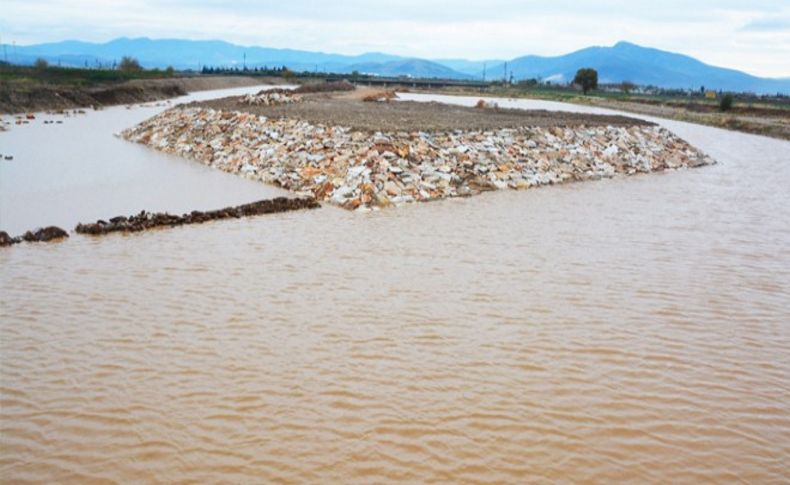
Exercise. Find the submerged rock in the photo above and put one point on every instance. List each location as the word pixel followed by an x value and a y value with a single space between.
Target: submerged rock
pixel 6 240
pixel 147 220
pixel 50 233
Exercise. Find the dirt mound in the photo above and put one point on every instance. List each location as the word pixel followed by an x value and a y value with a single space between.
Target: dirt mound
pixel 343 110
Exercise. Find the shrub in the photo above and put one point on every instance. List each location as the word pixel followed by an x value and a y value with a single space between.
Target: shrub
pixel 725 104
pixel 129 64
pixel 627 87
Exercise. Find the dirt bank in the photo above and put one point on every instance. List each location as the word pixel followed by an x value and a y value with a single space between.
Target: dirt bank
pixel 16 97
pixel 760 120
pixel 350 111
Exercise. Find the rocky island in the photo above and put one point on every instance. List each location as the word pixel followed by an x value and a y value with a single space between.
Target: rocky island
pixel 359 150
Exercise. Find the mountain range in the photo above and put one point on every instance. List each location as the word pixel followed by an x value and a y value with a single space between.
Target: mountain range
pixel 623 61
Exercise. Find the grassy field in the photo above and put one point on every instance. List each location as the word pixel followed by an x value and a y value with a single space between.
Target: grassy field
pixel 64 76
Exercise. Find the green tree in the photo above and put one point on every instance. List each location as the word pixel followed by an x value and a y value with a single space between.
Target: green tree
pixel 587 78
pixel 41 64
pixel 169 72
pixel 129 64
pixel 725 104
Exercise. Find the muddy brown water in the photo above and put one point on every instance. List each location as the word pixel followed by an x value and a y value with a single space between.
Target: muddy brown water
pixel 630 330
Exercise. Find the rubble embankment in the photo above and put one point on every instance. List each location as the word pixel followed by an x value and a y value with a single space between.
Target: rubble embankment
pixel 423 158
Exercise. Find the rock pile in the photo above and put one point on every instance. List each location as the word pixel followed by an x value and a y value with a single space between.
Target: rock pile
pixel 46 234
pixel 147 220
pixel 270 98
pixel 358 169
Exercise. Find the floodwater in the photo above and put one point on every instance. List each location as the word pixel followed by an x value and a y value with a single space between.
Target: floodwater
pixel 628 330
pixel 77 171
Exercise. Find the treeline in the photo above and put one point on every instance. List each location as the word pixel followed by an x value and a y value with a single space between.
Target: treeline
pixel 281 71
pixel 77 75
pixel 630 88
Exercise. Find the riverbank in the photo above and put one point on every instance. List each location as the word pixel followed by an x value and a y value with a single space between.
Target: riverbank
pixel 361 155
pixel 24 96
pixel 755 118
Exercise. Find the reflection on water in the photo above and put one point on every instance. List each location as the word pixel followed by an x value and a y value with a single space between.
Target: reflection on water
pixel 78 171
pixel 624 330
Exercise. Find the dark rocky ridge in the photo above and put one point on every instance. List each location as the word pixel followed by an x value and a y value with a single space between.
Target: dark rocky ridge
pixel 146 220
pixel 46 234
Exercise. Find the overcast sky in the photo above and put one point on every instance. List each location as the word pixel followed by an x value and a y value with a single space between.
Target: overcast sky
pixel 752 35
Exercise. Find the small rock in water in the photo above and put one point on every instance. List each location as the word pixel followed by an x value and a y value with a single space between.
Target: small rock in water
pixel 6 240
pixel 45 234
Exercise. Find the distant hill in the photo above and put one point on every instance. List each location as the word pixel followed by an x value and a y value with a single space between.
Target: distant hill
pixel 642 65
pixel 622 62
pixel 408 67
pixel 475 68
pixel 189 54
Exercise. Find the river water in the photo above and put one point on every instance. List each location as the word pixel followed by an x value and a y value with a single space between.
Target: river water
pixel 628 330
pixel 77 171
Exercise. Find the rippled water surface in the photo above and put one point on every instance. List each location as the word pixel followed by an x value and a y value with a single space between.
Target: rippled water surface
pixel 629 330
pixel 78 171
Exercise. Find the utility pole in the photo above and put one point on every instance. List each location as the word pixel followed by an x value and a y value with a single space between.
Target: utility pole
pixel 484 72
pixel 504 78
pixel 245 61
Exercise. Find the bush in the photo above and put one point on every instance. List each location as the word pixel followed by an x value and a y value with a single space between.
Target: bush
pixel 725 104
pixel 129 64
pixel 627 87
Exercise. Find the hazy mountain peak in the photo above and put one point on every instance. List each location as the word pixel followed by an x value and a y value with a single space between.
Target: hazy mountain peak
pixel 624 61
